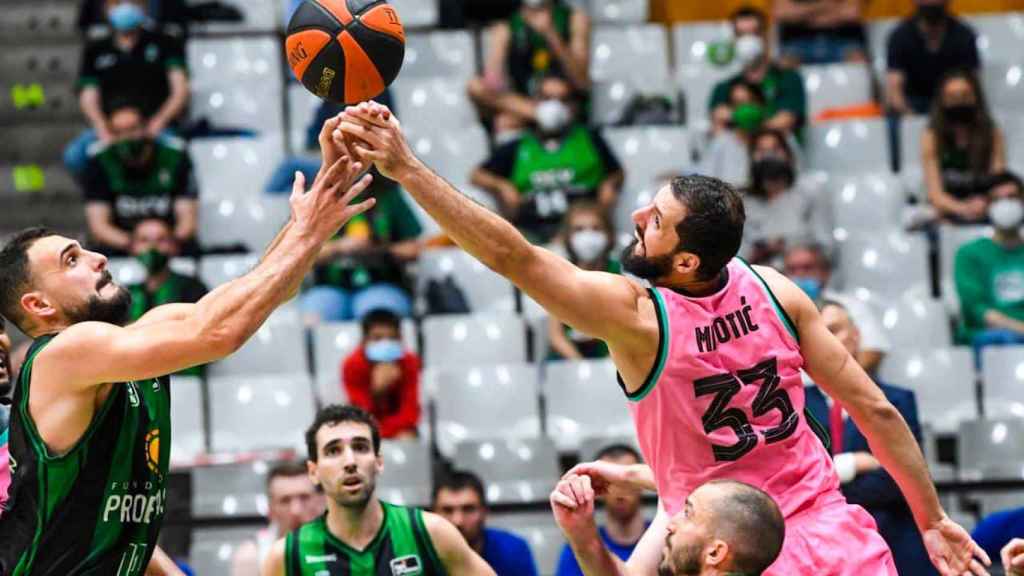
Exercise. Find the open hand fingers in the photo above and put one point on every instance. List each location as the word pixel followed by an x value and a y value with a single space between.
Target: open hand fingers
pixel 559 498
pixel 371 112
pixel 299 185
pixel 363 132
pixel 356 189
pixel 979 552
pixel 976 569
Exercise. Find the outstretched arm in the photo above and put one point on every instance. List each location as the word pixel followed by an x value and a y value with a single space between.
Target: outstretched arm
pixel 273 564
pixel 455 553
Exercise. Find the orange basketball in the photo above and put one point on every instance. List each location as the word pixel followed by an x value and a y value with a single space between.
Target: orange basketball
pixel 346 51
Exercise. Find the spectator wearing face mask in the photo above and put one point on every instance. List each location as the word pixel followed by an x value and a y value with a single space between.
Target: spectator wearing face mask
pixel 728 154
pixel 135 65
pixel 383 378
pixel 960 149
pixel 989 272
pixel 779 213
pixel 783 89
pixel 537 177
pixel 821 31
pixel 921 51
pixel 134 178
pixel 589 241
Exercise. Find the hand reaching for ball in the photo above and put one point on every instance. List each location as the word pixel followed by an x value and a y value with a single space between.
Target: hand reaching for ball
pixel 375 135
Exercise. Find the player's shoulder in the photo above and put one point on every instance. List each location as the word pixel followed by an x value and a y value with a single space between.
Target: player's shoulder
pixel 75 337
pixel 789 295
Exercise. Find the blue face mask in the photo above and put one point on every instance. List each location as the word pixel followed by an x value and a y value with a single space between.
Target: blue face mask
pixel 126 16
pixel 811 286
pixel 384 351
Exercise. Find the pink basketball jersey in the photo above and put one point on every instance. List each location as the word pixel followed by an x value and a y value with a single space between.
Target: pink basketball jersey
pixel 725 399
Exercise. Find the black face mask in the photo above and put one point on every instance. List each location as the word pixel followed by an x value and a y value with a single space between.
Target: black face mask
pixel 772 169
pixel 961 113
pixel 932 14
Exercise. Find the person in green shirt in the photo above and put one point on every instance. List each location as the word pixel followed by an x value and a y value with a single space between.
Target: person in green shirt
pixel 783 89
pixel 989 272
pixel 360 535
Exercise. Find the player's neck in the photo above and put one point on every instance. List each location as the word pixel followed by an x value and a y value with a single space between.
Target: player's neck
pixel 356 527
pixel 694 288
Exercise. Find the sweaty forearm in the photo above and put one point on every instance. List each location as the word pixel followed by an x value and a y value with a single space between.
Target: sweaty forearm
pixel 594 558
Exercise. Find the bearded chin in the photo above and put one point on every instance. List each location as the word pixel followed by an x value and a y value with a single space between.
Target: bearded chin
pixel 114 310
pixel 644 267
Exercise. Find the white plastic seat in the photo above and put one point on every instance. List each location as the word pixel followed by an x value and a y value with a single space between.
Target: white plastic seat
pixel 278 347
pixel 39 21
pixel 697 84
pixel 474 339
pixel 951 238
pixel 235 168
pixel 610 99
pixel 257 16
pixel 302 106
pixel 617 51
pixel 440 54
pixel 943 380
pixel 649 153
pixel 454 154
pixel 239 108
pixel 252 224
pixel 429 104
pixel 864 203
pixel 241 61
pixel 406 480
pixel 631 199
pixel 1004 86
pixel 540 531
pixel 260 412
pixel 849 146
pixel 1012 126
pixel 915 322
pixel 878 40
pixel 126 271
pixel 485 401
pixel 570 420
pixel 213 549
pixel 911 131
pixel 620 11
pixel 1000 36
pixel 889 264
pixel 485 290
pixel 217 270
pixel 1003 378
pixel 513 471
pixel 332 343
pixel 417 13
pixel 228 490
pixel 991 449
pixel 835 86
pixel 692 42
pixel 188 435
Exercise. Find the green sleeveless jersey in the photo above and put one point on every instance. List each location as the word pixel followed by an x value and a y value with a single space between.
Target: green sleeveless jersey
pixel 402 547
pixel 97 509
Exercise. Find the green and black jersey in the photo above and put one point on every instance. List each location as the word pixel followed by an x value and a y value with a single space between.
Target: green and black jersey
pixel 402 547
pixel 97 509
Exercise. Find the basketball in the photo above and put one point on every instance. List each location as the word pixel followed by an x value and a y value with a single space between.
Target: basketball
pixel 345 51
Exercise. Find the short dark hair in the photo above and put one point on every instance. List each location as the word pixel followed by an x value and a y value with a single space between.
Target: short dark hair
pixel 336 414
pixel 816 248
pixel 750 12
pixel 17 273
pixel 618 451
pixel 381 316
pixel 713 226
pixel 1005 177
pixel 458 480
pixel 752 524
pixel 288 469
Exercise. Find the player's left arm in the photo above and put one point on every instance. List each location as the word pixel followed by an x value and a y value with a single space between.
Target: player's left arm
pixel 891 441
pixel 273 564
pixel 455 553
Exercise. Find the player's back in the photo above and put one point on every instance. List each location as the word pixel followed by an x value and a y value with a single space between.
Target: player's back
pixel 725 398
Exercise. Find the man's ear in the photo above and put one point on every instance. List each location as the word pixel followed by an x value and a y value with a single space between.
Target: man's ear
pixel 687 263
pixel 715 553
pixel 311 469
pixel 35 305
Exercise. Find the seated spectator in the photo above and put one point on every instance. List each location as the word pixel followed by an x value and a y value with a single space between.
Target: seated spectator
pixel 134 178
pixel 989 272
pixel 6 387
pixel 921 51
pixel 997 531
pixel 728 154
pixel 864 482
pixel 783 89
pixel 292 500
pixel 363 267
pixel 536 178
pixel 809 267
pixel 588 242
pixel 625 522
pixel 821 31
pixel 960 149
pixel 169 15
pixel 135 65
pixel 460 498
pixel 543 38
pixel 779 213
pixel 383 378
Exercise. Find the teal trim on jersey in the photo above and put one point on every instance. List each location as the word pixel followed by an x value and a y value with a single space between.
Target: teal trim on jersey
pixel 664 339
pixel 779 310
pixel 3 438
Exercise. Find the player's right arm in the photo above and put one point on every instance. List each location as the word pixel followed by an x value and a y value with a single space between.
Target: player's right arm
pixel 273 564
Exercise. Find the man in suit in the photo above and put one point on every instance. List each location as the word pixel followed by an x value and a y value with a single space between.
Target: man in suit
pixel 865 483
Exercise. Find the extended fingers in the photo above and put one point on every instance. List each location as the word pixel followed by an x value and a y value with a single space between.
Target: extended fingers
pixel 362 131
pixel 299 185
pixel 356 189
pixel 979 552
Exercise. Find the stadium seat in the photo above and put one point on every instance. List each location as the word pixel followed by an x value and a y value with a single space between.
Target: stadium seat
pixel 213 548
pixel 951 238
pixel 617 50
pixel 943 380
pixel 878 38
pixel 865 203
pixel 485 290
pixel 240 108
pixel 485 401
pixel 540 531
pixel 650 153
pixel 889 264
pixel 1012 126
pixel 40 62
pixel 991 449
pixel 849 146
pixel 692 42
pixel 630 200
pixel 407 477
pixel 42 102
pixel 244 62
pixel 278 347
pixel 39 22
pixel 440 54
pixel 332 343
pixel 1000 36
pixel 1003 381
pixel 697 84
pixel 418 13
pixel 302 106
pixel 619 11
pixel 590 447
pixel 217 270
pixel 434 105
pixel 569 419
pixel 235 168
pixel 228 490
pixel 911 130
pixel 610 99
pixel 1004 86
pixel 260 412
pixel 257 16
pixel 514 471
pixel 454 154
pixel 473 339
pixel 836 86
pixel 915 322
pixel 128 271
pixel 188 437
pixel 252 224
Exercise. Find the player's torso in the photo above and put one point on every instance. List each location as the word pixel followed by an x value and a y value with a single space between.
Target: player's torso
pixel 402 547
pixel 726 399
pixel 98 508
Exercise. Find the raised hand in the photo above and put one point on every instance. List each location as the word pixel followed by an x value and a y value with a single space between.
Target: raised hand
pixel 376 136
pixel 1013 557
pixel 604 475
pixel 953 552
pixel 572 502
pixel 327 206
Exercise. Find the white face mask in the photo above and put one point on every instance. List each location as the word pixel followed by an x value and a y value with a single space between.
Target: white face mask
pixel 1006 213
pixel 749 48
pixel 553 116
pixel 588 245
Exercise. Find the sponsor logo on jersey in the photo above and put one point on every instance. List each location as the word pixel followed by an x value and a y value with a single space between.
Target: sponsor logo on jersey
pixel 152 445
pixel 134 508
pixel 321 559
pixel 406 566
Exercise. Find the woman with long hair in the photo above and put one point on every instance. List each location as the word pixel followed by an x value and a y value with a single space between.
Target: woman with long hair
pixel 960 149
